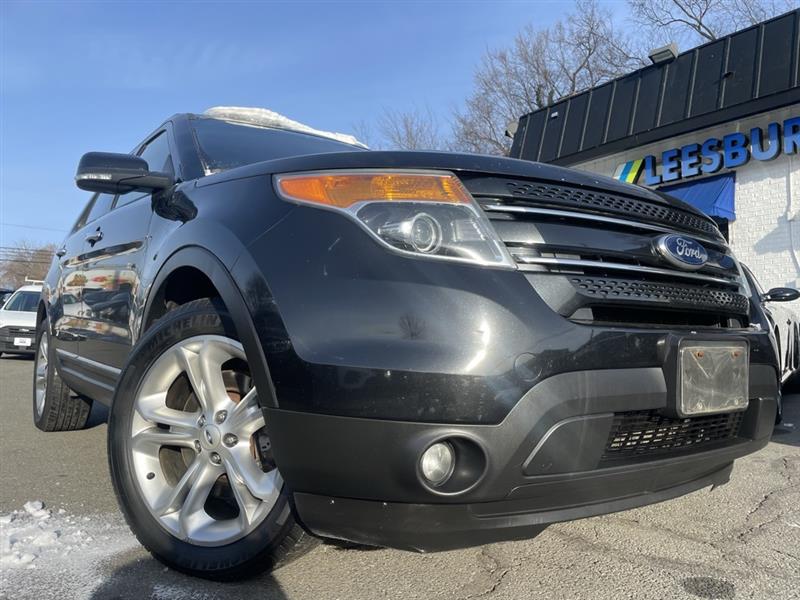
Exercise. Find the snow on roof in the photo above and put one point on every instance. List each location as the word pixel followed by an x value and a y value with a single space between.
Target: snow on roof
pixel 268 118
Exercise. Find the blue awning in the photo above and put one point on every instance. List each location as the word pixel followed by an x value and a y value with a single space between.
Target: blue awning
pixel 713 195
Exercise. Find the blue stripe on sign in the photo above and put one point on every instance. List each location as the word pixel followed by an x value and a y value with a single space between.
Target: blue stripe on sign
pixel 625 170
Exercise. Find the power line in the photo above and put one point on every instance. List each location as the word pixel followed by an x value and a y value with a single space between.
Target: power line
pixel 26 262
pixel 32 227
pixel 21 249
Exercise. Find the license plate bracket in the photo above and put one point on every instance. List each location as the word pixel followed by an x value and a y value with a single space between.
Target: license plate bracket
pixel 712 377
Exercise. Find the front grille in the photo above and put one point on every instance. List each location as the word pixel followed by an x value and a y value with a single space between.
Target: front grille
pixel 592 254
pixel 672 294
pixel 12 331
pixel 24 331
pixel 548 193
pixel 647 435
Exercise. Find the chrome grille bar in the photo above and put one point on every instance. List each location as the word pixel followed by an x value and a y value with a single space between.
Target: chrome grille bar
pixel 596 218
pixel 598 264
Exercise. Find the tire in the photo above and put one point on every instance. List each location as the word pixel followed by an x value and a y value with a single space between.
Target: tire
pixel 217 520
pixel 55 407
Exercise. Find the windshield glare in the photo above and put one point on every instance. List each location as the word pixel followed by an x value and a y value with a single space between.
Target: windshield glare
pixel 23 302
pixel 225 145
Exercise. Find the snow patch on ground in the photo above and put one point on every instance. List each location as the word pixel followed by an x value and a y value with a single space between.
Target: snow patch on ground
pixel 268 118
pixel 35 541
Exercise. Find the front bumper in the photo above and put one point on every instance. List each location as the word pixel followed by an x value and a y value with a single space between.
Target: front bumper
pixel 11 334
pixel 8 347
pixel 438 527
pixel 374 356
pixel 356 478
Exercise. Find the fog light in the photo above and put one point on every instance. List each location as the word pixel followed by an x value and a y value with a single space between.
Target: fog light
pixel 437 463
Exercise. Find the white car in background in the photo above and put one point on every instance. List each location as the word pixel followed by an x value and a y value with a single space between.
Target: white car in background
pixel 18 321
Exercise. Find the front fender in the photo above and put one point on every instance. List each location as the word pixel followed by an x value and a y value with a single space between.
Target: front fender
pixel 203 260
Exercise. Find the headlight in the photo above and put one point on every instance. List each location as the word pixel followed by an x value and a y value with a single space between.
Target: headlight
pixel 419 213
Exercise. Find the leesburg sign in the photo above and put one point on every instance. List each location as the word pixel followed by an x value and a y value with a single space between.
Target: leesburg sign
pixel 732 151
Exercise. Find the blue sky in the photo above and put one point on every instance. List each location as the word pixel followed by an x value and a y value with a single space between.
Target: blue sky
pixel 80 76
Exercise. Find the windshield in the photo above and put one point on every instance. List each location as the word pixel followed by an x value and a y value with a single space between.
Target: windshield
pixel 224 145
pixel 23 301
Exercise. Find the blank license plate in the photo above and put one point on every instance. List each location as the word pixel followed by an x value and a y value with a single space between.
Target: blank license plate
pixel 713 377
pixel 26 342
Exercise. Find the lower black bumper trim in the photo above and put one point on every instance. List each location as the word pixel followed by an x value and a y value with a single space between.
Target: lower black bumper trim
pixel 438 527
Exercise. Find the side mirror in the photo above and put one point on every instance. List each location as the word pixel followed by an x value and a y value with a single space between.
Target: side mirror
pixel 781 294
pixel 111 173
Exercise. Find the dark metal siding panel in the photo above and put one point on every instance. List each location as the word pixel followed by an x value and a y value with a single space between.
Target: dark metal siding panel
pixel 676 90
pixel 721 81
pixel 619 120
pixel 647 102
pixel 573 127
pixel 553 126
pixel 708 78
pixel 533 135
pixel 598 115
pixel 741 67
pixel 519 137
pixel 777 56
pixel 796 80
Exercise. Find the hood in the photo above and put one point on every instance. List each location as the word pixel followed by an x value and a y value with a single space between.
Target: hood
pixel 450 161
pixel 16 318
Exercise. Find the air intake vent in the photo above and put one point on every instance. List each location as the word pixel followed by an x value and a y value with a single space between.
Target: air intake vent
pixel 670 294
pixel 548 193
pixel 647 434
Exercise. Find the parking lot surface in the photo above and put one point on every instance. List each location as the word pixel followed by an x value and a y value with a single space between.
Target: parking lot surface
pixel 63 536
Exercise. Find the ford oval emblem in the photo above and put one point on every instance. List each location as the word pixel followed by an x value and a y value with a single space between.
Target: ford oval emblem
pixel 682 252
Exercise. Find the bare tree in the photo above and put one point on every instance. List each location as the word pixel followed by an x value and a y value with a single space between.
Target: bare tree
pixel 364 133
pixel 541 66
pixel 22 261
pixel 691 22
pixel 413 129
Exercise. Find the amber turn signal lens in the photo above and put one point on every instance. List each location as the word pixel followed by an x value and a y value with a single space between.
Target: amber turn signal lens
pixel 345 190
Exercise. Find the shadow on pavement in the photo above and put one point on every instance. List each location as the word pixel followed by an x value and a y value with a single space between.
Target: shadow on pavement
pixel 788 431
pixel 17 357
pixel 147 579
pixel 708 587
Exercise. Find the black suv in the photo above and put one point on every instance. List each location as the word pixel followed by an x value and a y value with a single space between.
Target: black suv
pixel 416 350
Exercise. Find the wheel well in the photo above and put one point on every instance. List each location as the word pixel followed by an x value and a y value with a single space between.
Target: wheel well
pixel 41 313
pixel 183 285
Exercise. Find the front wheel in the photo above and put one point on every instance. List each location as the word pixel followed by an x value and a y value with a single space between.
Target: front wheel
pixel 183 448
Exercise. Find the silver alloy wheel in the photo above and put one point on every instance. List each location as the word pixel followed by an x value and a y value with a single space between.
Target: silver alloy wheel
pixel 191 446
pixel 41 374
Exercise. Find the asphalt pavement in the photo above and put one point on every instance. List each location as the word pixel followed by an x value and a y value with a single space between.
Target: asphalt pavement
pixel 741 540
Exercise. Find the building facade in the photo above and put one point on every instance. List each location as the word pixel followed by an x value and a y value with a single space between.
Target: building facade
pixel 717 126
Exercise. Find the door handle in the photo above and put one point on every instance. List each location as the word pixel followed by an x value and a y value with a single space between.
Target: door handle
pixel 61 251
pixel 95 237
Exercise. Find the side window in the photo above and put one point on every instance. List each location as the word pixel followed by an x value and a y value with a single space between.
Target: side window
pixel 98 206
pixel 156 153
pixel 158 158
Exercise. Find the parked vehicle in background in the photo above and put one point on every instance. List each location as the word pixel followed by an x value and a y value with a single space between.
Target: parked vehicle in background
pixel 18 321
pixel 781 320
pixel 418 350
pixel 5 294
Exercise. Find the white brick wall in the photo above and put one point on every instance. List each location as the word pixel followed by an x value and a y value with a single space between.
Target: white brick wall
pixel 766 233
